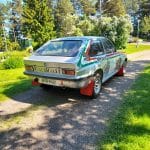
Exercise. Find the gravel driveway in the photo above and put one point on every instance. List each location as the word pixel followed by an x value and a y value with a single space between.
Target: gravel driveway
pixel 65 120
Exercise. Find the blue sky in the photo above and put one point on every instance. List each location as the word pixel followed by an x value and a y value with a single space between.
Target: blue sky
pixel 3 1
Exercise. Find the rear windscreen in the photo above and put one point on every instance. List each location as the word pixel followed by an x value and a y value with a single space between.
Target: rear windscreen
pixel 66 48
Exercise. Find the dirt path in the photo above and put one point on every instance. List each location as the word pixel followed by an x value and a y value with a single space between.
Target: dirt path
pixel 64 120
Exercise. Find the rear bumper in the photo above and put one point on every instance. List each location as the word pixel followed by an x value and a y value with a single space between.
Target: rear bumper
pixel 61 82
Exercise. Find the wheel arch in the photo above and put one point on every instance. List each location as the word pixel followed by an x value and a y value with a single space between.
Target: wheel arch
pixel 100 71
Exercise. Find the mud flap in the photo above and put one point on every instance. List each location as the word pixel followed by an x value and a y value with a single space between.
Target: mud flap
pixel 88 90
pixel 35 83
pixel 121 71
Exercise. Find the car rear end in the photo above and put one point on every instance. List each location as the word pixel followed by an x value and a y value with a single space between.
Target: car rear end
pixel 53 65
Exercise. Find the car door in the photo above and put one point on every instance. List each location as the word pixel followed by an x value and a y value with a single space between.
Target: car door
pixel 97 52
pixel 112 56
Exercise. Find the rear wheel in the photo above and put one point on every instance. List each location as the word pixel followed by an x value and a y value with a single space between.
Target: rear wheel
pixel 94 87
pixel 97 85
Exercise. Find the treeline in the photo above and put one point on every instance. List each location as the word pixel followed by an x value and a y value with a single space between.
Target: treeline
pixel 42 20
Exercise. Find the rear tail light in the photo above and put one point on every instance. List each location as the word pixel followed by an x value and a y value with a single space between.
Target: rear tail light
pixel 29 68
pixel 68 72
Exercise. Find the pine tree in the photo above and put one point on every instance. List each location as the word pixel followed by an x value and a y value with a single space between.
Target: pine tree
pixel 77 6
pixel 113 8
pixel 2 27
pixel 131 6
pixel 88 7
pixel 145 25
pixel 38 21
pixel 63 10
pixel 15 19
pixel 144 8
pixel 1 19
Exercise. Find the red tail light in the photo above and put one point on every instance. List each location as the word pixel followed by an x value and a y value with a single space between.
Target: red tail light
pixel 68 72
pixel 29 68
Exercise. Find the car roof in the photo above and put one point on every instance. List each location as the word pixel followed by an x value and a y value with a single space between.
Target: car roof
pixel 80 38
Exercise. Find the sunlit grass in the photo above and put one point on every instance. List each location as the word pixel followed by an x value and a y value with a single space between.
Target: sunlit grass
pixel 130 128
pixel 12 81
pixel 131 48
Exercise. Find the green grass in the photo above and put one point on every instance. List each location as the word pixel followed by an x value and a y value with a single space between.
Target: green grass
pixel 131 48
pixel 130 128
pixel 12 82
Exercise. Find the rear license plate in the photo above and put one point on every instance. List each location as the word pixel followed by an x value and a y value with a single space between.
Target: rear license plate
pixel 47 81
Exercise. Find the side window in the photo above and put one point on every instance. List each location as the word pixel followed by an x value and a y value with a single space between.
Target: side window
pixel 101 49
pixel 96 49
pixel 109 47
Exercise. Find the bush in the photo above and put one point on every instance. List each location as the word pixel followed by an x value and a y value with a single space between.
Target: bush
pixel 117 29
pixel 86 26
pixel 5 55
pixel 77 32
pixel 13 62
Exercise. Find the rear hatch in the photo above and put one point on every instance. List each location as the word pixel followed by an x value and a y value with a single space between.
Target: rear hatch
pixel 50 66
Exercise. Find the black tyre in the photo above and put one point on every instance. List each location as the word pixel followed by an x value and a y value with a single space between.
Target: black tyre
pixel 44 86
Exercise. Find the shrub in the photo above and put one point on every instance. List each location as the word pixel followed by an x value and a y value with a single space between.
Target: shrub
pixel 86 26
pixel 13 62
pixel 77 32
pixel 117 29
pixel 4 56
pixel 19 53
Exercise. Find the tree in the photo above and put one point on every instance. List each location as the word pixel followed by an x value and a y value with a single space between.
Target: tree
pixel 131 6
pixel 63 12
pixel 38 21
pixel 15 18
pixel 145 27
pixel 117 29
pixel 77 6
pixel 88 7
pixel 113 8
pixel 97 5
pixel 144 8
pixel 3 44
pixel 86 26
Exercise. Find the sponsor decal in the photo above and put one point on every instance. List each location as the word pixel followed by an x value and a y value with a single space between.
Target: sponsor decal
pixel 46 69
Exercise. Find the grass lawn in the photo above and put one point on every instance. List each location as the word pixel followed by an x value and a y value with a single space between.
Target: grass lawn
pixel 130 128
pixel 12 82
pixel 131 48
